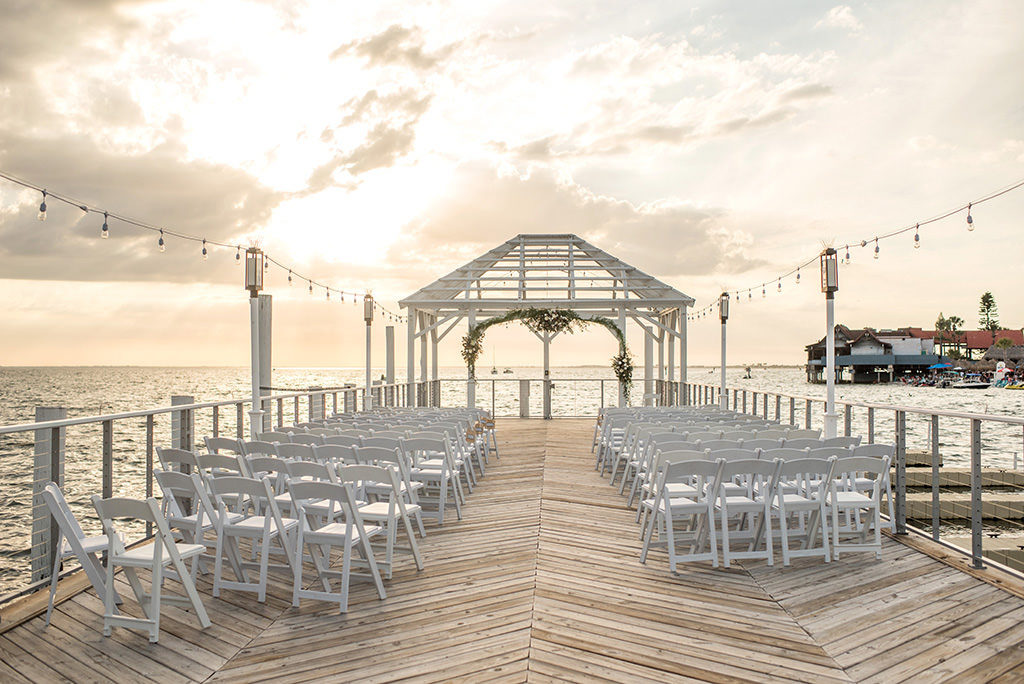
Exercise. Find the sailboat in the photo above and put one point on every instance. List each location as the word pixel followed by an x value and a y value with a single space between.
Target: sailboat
pixel 494 369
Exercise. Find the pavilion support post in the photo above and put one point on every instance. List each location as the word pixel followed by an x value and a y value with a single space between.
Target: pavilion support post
pixel 435 393
pixel 410 351
pixel 648 366
pixel 547 375
pixel 671 397
pixel 424 351
pixel 368 317
pixel 660 388
pixel 682 353
pixel 470 375
pixel 622 327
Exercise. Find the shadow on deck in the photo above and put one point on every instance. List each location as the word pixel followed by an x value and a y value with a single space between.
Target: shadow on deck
pixel 541 581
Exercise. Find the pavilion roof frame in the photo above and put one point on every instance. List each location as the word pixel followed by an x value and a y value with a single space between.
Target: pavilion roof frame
pixel 553 271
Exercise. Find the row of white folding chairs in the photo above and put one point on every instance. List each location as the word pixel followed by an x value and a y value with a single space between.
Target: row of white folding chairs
pixel 234 506
pixel 638 437
pixel 443 469
pixel 739 500
pixel 659 443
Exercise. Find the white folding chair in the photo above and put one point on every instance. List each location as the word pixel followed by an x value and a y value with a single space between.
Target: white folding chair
pixel 164 551
pixel 319 535
pixel 263 528
pixel 761 480
pixel 865 484
pixel 857 502
pixel 388 510
pixel 688 519
pixel 72 542
pixel 808 480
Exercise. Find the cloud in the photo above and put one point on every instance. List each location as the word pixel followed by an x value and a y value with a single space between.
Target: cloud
pixel 197 197
pixel 840 16
pixel 396 45
pixel 808 91
pixel 484 208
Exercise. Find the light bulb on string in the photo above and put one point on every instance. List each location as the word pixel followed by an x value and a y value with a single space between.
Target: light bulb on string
pixel 205 253
pixel 798 275
pixel 917 236
pixel 238 255
pixel 749 295
pixel 847 255
pixel 105 230
pixel 763 292
pixel 876 248
pixel 779 288
pixel 160 242
pixel 42 208
pixel 328 295
pixel 311 288
pixel 970 219
pixel 289 276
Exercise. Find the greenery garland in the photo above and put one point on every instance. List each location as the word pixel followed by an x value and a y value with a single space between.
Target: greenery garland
pixel 550 321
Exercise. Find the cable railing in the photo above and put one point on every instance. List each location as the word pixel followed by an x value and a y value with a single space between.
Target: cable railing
pixel 955 473
pixel 113 455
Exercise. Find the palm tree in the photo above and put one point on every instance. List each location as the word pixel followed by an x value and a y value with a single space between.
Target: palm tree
pixel 941 328
pixel 955 324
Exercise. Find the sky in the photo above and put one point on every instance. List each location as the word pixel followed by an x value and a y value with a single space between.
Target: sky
pixel 377 146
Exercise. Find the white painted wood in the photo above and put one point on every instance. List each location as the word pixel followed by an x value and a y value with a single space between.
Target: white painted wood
pixel 410 351
pixel 389 354
pixel 648 366
pixel 48 466
pixel 266 355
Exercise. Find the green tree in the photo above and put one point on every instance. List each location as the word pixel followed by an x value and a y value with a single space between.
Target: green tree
pixel 1004 345
pixel 988 314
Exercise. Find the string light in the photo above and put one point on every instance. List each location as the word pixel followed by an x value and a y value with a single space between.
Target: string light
pixel 876 248
pixel 42 208
pixel 160 242
pixel 105 231
pixel 289 277
pixel 763 293
pixel 205 253
pixel 328 295
pixel 798 276
pixel 311 288
pixel 238 255
pixel 970 219
pixel 917 237
pixel 847 255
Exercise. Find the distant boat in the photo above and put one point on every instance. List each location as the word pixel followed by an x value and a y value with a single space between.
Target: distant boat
pixel 507 370
pixel 494 371
pixel 972 381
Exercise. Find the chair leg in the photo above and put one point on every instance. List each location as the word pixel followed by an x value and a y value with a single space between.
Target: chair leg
pixel 725 535
pixel 261 595
pixel 154 600
pixel 53 578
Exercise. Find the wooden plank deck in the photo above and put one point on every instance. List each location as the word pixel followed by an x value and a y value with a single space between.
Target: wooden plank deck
pixel 541 581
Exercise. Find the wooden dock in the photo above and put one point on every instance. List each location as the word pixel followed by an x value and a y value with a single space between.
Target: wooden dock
pixel 541 582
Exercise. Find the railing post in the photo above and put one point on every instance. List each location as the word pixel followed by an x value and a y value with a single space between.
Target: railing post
pixel 296 413
pixel 936 517
pixel 847 419
pixel 792 410
pixel 807 415
pixel 871 425
pixel 744 401
pixel 602 395
pixel 493 383
pixel 976 547
pixel 48 466
pixel 181 423
pixel 150 429
pixel 216 421
pixel 108 459
pixel 753 404
pixel 334 396
pixel 900 514
pixel 280 412
pixel 764 405
pixel 778 407
pixel 239 420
